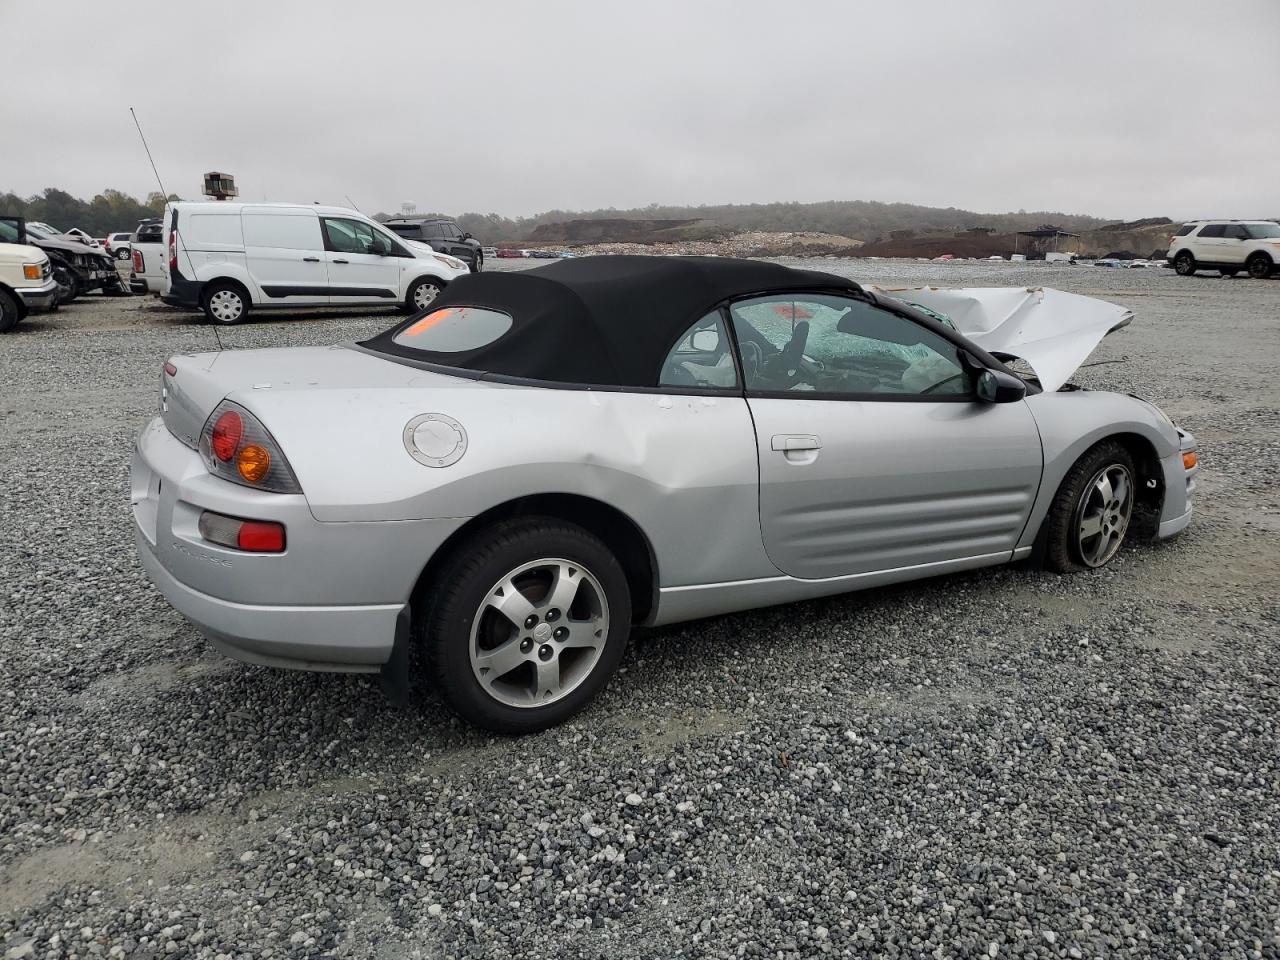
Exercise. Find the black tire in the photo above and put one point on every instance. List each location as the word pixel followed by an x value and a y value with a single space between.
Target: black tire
pixel 1260 266
pixel 225 303
pixel 458 604
pixel 1229 272
pixel 69 284
pixel 477 262
pixel 122 254
pixel 10 311
pixel 1064 549
pixel 417 291
pixel 1185 264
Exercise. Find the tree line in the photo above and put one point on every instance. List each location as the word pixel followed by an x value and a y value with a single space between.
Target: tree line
pixel 109 212
pixel 867 220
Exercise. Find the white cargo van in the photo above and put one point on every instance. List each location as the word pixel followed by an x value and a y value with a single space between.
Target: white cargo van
pixel 231 258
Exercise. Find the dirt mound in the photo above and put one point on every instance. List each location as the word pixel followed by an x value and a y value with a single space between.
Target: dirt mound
pixel 606 231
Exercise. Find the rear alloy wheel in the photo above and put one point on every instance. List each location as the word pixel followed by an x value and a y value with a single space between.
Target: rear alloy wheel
pixel 1090 515
pixel 1260 266
pixel 225 303
pixel 10 313
pixel 122 254
pixel 1185 264
pixel 422 294
pixel 528 626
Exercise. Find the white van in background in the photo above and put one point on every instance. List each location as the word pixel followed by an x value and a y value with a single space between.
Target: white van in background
pixel 231 258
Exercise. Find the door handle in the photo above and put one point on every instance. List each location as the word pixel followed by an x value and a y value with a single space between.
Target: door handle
pixel 791 442
pixel 341 261
pixel 310 259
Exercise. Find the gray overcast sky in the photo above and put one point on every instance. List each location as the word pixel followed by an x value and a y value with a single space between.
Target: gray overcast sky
pixel 1114 109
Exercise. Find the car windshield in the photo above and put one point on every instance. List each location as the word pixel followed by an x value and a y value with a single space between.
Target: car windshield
pixel 1263 231
pixel 8 231
pixel 42 230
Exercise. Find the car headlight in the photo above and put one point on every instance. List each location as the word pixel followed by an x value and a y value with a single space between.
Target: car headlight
pixel 450 262
pixel 31 271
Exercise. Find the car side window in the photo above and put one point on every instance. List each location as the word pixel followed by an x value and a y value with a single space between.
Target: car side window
pixel 1234 231
pixel 352 236
pixel 1212 230
pixel 818 343
pixel 702 358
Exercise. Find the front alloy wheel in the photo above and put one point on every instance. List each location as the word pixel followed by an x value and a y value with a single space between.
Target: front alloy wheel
pixel 1260 266
pixel 1103 514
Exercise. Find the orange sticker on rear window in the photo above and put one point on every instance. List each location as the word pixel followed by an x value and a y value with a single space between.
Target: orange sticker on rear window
pixel 427 322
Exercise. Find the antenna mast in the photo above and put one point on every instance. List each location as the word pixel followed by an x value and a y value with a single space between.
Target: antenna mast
pixel 163 192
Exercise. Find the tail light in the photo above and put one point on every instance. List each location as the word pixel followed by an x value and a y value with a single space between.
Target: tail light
pixel 237 447
pixel 252 536
pixel 137 260
pixel 173 250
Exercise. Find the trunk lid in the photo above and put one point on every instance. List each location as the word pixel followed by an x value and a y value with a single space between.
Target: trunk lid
pixel 203 380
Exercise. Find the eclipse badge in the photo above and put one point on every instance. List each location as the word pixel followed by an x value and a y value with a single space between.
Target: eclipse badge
pixel 435 440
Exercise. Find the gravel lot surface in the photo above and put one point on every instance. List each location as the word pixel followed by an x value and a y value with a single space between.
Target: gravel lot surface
pixel 1005 763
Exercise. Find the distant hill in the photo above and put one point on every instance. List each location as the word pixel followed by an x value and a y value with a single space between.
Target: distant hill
pixel 611 230
pixel 862 219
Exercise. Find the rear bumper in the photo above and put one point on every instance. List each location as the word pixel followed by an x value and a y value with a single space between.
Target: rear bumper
pixel 138 285
pixel 39 298
pixel 182 292
pixel 355 639
pixel 329 602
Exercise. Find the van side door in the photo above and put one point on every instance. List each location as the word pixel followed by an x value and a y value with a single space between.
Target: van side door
pixel 284 255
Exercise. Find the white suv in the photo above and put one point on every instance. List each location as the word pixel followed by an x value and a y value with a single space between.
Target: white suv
pixel 231 258
pixel 118 245
pixel 1227 246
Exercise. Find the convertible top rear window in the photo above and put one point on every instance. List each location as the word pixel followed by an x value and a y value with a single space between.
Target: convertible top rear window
pixel 454 329
pixel 595 321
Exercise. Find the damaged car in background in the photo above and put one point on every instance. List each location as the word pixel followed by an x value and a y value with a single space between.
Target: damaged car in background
pixel 77 268
pixel 515 477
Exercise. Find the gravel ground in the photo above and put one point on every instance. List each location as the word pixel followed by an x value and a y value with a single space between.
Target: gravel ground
pixel 1005 763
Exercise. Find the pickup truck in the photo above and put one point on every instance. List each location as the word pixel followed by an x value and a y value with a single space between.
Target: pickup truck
pixel 149 251
pixel 26 281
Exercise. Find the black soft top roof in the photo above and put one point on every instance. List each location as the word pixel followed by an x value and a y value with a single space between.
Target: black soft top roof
pixel 607 321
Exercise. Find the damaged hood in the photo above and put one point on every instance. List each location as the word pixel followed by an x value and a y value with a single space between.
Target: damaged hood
pixel 1051 330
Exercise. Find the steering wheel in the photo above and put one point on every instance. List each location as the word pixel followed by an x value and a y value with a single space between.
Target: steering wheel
pixel 787 366
pixel 752 361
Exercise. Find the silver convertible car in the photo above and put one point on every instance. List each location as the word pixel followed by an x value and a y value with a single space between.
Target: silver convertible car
pixel 510 481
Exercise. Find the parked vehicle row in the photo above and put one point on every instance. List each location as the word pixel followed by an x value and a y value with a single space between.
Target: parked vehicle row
pixel 77 268
pixel 26 278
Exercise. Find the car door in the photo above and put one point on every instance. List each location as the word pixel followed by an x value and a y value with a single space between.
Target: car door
pixel 1234 242
pixel 285 256
pixel 1208 243
pixel 874 452
pixel 364 263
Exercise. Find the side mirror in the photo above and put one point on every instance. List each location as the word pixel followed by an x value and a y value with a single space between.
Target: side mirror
pixel 467 236
pixel 996 386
